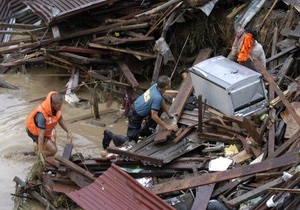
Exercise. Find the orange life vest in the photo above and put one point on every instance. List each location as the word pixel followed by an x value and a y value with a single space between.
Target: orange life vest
pixel 246 48
pixel 46 110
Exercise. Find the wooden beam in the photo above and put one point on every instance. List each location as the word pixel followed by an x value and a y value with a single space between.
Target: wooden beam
pixel 77 168
pixel 184 133
pixel 264 72
pixel 252 131
pixel 184 93
pixel 128 74
pixel 283 52
pixel 284 147
pixel 175 185
pixel 134 52
pixel 251 194
pixel 66 154
pixel 203 194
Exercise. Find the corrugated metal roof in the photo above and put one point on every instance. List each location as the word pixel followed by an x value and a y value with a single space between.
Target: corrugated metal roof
pixel 10 9
pixel 57 9
pixel 157 154
pixel 115 189
pixel 5 10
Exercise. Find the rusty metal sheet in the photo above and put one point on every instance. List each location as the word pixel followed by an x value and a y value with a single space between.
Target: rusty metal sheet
pixel 152 153
pixel 115 189
pixel 57 9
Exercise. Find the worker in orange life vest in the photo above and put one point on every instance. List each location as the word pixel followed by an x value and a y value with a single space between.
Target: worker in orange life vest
pixel 42 121
pixel 245 43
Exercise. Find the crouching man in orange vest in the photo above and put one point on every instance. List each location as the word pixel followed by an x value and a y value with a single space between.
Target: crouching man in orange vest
pixel 41 122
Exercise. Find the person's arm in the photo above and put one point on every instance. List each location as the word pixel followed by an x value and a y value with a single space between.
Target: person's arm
pixel 40 121
pixel 236 43
pixel 165 108
pixel 156 118
pixel 63 124
pixel 41 139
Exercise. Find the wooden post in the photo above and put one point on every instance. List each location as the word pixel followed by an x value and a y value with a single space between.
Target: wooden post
pixel 200 116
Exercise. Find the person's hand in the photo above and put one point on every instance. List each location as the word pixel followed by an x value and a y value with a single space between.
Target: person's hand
pixel 239 33
pixel 172 127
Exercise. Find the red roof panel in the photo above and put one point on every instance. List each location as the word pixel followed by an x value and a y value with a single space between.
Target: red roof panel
pixel 115 189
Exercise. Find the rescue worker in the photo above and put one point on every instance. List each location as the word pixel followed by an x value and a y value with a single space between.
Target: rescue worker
pixel 245 43
pixel 42 121
pixel 148 106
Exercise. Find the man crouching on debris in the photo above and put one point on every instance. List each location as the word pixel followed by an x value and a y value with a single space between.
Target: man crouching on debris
pixel 149 104
pixel 41 122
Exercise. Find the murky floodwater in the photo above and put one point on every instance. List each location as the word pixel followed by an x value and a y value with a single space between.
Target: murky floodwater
pixel 14 109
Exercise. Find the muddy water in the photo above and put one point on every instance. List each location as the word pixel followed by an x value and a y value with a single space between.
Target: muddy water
pixel 14 109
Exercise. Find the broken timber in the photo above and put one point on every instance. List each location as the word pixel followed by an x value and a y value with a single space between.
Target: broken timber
pixel 262 70
pixel 283 161
pixel 184 93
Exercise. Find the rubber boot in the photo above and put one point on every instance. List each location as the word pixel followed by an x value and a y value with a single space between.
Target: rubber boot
pixel 107 137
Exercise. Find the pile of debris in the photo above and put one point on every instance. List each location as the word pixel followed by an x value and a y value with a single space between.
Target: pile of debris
pixel 99 40
pixel 236 162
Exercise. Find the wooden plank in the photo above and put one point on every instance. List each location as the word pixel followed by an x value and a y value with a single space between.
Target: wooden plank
pixel 272 129
pixel 200 114
pixel 230 185
pixel 177 106
pixel 236 10
pixel 134 52
pixel 26 46
pixel 79 179
pixel 116 41
pixel 218 138
pixel 284 69
pixel 283 52
pixel 66 154
pixel 183 134
pixel 290 183
pixel 251 194
pixel 128 74
pixel 284 147
pixel 76 168
pixel 264 72
pixel 252 131
pixel 203 195
pixel 24 61
pixel 18 25
pixel 204 179
pixel 77 59
pixel 81 50
pixel 135 156
pixel 293 33
pixel 184 93
pixel 241 157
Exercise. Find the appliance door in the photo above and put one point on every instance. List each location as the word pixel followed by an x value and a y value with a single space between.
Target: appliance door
pixel 247 95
